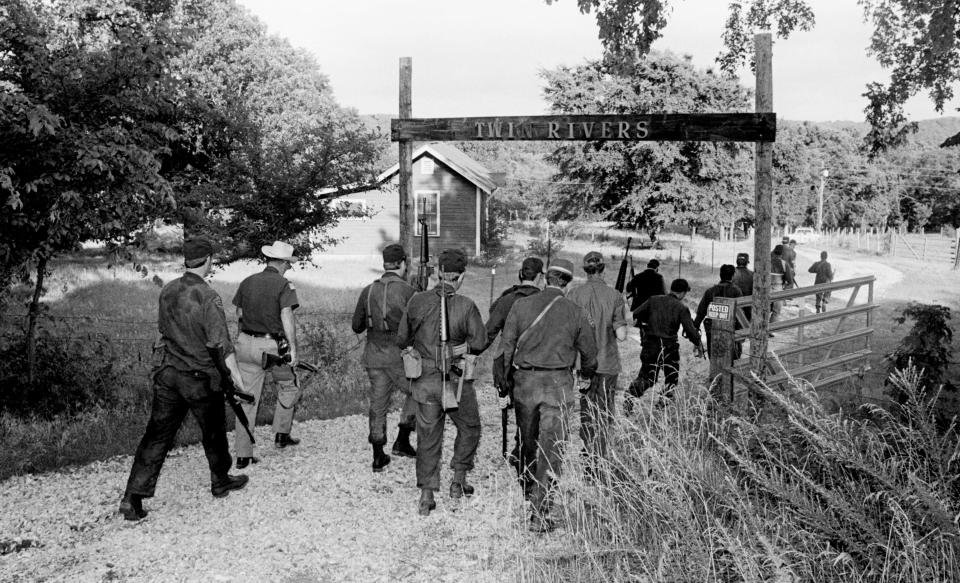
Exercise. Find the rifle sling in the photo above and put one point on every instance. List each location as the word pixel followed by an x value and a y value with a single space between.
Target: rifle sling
pixel 535 322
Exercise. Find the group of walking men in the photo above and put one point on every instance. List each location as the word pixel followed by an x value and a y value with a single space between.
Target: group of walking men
pixel 556 344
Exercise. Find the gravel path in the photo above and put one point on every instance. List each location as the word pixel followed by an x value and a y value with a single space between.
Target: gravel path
pixel 314 512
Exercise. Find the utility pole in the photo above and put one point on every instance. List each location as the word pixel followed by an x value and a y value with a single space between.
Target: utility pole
pixel 823 178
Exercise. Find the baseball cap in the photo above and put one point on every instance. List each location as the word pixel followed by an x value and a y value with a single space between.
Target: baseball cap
pixel 592 258
pixel 562 266
pixel 394 253
pixel 196 248
pixel 452 260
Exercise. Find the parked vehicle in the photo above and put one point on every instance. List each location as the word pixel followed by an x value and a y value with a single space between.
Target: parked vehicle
pixel 805 235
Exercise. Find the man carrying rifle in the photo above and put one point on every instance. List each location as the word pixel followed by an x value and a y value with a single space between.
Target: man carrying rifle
pixel 542 337
pixel 531 278
pixel 604 308
pixel 265 303
pixel 445 367
pixel 378 312
pixel 190 321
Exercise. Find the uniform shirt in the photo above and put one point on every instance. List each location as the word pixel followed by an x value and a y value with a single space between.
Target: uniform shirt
pixel 603 306
pixel 557 338
pixel 381 350
pixel 261 297
pixel 824 272
pixel 191 319
pixel 790 257
pixel 501 307
pixel 645 285
pixel 420 325
pixel 743 279
pixel 724 289
pixel 664 315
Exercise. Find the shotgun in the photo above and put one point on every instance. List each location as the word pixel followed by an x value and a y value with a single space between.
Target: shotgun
pixel 231 394
pixel 622 274
pixel 271 360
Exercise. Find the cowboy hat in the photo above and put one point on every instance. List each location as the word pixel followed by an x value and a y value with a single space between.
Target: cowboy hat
pixel 280 250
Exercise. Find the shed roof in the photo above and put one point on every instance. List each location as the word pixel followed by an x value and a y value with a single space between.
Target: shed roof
pixel 456 159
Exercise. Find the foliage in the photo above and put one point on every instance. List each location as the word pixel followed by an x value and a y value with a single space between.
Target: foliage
pixel 73 375
pixel 689 492
pixel 927 346
pixel 280 138
pixel 645 185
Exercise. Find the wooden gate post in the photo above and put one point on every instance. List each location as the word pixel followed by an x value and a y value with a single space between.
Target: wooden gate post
pixel 722 345
pixel 763 209
pixel 406 159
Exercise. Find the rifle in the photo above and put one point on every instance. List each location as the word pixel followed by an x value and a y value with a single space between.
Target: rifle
pixel 423 271
pixel 622 274
pixel 448 399
pixel 231 394
pixel 271 360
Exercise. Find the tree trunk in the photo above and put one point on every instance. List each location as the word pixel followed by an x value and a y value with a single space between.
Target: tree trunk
pixel 34 314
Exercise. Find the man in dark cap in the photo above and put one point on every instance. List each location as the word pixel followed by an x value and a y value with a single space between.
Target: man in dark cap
pixel 531 279
pixel 265 304
pixel 645 285
pixel 604 308
pixel 542 338
pixel 378 313
pixel 664 316
pixel 466 337
pixel 743 277
pixel 823 274
pixel 781 278
pixel 724 289
pixel 191 319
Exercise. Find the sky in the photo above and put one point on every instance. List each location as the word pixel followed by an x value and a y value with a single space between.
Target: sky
pixel 482 57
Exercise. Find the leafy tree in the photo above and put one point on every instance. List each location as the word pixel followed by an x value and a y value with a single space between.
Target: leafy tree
pixel 927 346
pixel 281 137
pixel 648 184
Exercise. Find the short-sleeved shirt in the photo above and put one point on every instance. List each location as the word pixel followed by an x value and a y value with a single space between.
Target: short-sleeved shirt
pixel 645 285
pixel 603 306
pixel 664 315
pixel 381 350
pixel 261 297
pixel 556 340
pixel 501 307
pixel 743 279
pixel 191 319
pixel 420 326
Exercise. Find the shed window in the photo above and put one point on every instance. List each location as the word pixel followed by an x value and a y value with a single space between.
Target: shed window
pixel 428 207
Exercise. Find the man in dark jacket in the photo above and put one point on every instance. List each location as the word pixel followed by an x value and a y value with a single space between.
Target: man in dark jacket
pixel 724 289
pixel 191 320
pixel 542 338
pixel 378 313
pixel 645 285
pixel 420 328
pixel 823 274
pixel 664 316
pixel 742 276
pixel 531 278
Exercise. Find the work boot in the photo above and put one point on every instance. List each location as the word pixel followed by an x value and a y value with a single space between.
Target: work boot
pixel 459 486
pixel 380 459
pixel 282 440
pixel 427 503
pixel 243 462
pixel 222 487
pixel 131 507
pixel 401 446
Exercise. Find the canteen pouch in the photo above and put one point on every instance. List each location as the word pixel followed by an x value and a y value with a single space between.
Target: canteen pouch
pixel 470 367
pixel 412 363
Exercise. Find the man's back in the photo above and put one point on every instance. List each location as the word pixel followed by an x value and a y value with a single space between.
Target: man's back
pixel 664 315
pixel 645 285
pixel 603 307
pixel 556 339
pixel 421 326
pixel 190 319
pixel 378 312
pixel 743 279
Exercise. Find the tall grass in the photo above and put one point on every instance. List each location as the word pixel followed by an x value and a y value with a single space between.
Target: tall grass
pixel 689 492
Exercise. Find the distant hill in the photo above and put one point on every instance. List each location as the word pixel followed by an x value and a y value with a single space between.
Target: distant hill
pixel 930 133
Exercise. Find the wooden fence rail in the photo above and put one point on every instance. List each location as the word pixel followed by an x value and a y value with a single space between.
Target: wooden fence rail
pixel 822 348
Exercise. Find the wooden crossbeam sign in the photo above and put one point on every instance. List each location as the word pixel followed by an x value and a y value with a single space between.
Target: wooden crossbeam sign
pixel 683 127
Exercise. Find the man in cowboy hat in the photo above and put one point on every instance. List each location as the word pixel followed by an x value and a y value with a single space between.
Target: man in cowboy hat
pixel 542 338
pixel 378 313
pixel 265 303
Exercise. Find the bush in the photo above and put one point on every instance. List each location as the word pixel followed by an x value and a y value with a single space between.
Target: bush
pixel 72 375
pixel 690 493
pixel 927 346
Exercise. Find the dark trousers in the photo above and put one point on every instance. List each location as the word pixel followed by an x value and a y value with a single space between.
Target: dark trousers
pixel 657 353
pixel 175 393
pixel 543 400
pixel 383 383
pixel 596 411
pixel 431 419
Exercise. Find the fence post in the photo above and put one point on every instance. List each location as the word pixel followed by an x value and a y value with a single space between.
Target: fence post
pixel 722 346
